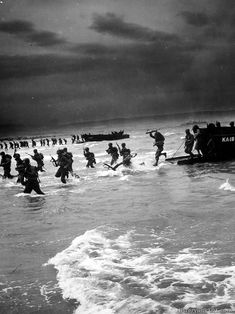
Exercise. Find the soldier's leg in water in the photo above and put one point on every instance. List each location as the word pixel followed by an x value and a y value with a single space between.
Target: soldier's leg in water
pixel 7 173
pixel 63 175
pixel 36 188
pixel 157 155
pixel 58 173
pixel 28 187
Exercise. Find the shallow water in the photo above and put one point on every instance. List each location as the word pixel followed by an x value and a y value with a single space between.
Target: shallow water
pixel 140 240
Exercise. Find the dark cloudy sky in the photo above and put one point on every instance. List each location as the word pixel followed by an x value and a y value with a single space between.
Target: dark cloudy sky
pixel 78 60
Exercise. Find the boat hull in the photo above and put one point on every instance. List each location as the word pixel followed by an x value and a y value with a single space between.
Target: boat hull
pixel 104 137
pixel 217 144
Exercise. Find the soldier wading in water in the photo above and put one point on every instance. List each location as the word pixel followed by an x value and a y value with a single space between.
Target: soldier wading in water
pixel 159 142
pixel 64 162
pixel 30 175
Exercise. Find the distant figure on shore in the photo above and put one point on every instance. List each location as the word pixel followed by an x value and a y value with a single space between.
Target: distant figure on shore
pixel 11 144
pixel 31 175
pixel 159 142
pixel 6 164
pixel 231 124
pixel 126 155
pixel 113 151
pixel 189 142
pixel 218 124
pixel 90 157
pixel 38 157
pixel 33 142
pixel 19 168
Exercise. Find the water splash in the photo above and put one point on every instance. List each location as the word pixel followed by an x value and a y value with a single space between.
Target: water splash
pixel 227 186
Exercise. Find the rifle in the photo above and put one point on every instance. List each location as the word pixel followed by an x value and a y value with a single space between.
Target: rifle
pixel 150 131
pixel 119 149
pixel 53 160
pixel 30 155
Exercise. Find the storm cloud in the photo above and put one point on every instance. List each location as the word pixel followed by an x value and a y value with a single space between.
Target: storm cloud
pixel 119 67
pixel 196 18
pixel 26 31
pixel 114 25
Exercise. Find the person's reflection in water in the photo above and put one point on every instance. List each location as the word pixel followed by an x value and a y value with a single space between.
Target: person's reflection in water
pixel 35 203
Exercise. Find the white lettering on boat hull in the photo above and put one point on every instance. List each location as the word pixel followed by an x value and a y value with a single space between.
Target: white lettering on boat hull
pixel 228 139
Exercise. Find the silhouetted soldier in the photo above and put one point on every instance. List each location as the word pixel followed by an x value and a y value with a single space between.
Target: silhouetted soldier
pixel 31 175
pixel 6 164
pixel 189 142
pixel 159 142
pixel 33 143
pixel 19 168
pixel 11 145
pixel 38 157
pixel 64 164
pixel 199 142
pixel 126 154
pixel 113 151
pixel 90 157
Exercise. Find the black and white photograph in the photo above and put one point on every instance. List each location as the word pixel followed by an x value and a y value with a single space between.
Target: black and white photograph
pixel 117 156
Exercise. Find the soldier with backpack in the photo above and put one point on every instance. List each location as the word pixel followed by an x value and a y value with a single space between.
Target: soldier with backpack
pixel 6 164
pixel 90 157
pixel 30 177
pixel 19 168
pixel 38 157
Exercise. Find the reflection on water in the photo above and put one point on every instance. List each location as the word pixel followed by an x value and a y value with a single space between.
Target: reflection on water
pixel 199 170
pixel 34 203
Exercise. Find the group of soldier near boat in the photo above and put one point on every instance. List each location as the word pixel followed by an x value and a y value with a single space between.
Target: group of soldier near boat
pixel 28 174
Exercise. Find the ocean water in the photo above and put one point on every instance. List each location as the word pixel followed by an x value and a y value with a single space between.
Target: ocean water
pixel 142 240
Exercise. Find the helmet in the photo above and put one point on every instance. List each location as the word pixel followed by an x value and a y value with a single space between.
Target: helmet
pixel 87 149
pixel 110 144
pixel 16 155
pixel 123 144
pixel 35 150
pixel 26 161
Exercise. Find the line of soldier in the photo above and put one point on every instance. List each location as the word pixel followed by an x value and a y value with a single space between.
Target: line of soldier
pixel 64 158
pixel 23 144
pixel 203 146
pixel 28 174
pixel 14 145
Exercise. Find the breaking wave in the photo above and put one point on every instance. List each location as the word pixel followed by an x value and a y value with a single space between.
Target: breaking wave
pixel 110 272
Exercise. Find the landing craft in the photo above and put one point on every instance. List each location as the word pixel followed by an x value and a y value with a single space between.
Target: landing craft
pixel 104 137
pixel 223 139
